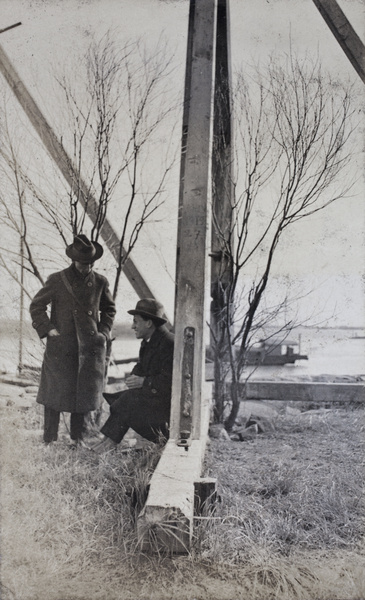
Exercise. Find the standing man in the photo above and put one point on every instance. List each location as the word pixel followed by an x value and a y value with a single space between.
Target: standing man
pixel 145 406
pixel 77 329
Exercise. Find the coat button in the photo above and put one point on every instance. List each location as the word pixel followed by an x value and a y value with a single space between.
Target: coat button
pixel 92 332
pixel 89 284
pixel 75 311
pixel 89 312
pixel 154 391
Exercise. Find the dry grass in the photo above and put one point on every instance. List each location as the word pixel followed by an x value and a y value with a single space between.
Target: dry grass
pixel 288 526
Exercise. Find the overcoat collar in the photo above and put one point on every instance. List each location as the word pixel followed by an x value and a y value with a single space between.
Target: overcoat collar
pixel 155 338
pixel 75 275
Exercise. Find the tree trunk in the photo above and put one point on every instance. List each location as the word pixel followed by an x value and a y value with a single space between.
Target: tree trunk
pixel 219 391
pixel 235 398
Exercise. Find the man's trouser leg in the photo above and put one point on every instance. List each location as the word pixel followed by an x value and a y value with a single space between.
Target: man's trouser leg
pixel 51 423
pixel 77 425
pixel 141 415
pixel 115 427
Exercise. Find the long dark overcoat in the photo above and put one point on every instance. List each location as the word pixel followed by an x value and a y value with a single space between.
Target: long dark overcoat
pixel 155 365
pixel 146 409
pixel 73 369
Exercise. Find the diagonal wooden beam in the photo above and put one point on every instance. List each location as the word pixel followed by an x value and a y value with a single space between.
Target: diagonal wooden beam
pixel 67 168
pixel 344 33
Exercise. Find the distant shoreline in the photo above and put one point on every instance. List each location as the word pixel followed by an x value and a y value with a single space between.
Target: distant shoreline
pixel 125 327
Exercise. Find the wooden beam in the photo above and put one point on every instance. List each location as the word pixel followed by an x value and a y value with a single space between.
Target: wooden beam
pixel 222 195
pixel 166 521
pixel 205 490
pixel 344 33
pixel 304 391
pixel 67 168
pixel 184 133
pixel 222 155
pixel 193 226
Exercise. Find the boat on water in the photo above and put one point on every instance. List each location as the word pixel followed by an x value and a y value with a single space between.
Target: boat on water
pixel 274 352
pixel 270 352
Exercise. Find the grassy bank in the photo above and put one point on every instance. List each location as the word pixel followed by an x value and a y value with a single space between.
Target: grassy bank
pixel 288 524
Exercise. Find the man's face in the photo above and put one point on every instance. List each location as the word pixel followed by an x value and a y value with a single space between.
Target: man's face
pixel 83 268
pixel 141 328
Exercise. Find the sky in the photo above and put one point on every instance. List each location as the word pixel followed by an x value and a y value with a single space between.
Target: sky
pixel 326 254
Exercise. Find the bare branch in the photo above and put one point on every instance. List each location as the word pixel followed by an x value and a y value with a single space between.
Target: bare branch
pixel 293 131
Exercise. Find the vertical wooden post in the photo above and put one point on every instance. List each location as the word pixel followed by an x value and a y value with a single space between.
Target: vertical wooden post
pixel 21 307
pixel 222 192
pixel 193 221
pixel 185 122
pixel 167 517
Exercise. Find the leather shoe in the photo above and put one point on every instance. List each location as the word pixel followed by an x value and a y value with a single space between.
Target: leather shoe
pixel 75 444
pixel 106 445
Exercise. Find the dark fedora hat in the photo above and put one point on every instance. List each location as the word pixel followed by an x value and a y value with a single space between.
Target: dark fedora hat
pixel 150 308
pixel 84 251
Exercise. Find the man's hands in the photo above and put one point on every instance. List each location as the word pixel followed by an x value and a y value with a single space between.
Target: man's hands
pixel 52 333
pixel 134 381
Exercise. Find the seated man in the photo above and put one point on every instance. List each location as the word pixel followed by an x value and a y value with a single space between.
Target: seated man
pixel 145 406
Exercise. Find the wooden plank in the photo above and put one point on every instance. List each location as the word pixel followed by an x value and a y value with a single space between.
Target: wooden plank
pixel 185 123
pixel 344 33
pixel 193 219
pixel 222 194
pixel 205 490
pixel 67 168
pixel 303 391
pixel 222 159
pixel 166 521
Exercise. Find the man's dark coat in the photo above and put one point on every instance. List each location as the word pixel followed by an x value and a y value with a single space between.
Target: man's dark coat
pixel 72 378
pixel 146 409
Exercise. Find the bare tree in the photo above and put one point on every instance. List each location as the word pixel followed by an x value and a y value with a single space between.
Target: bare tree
pixel 116 130
pixel 117 106
pixel 113 116
pixel 14 212
pixel 293 127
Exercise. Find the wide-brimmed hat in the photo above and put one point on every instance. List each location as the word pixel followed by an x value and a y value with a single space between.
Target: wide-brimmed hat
pixel 84 251
pixel 150 308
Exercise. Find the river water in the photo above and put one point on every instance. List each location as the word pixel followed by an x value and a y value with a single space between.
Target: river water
pixel 335 352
